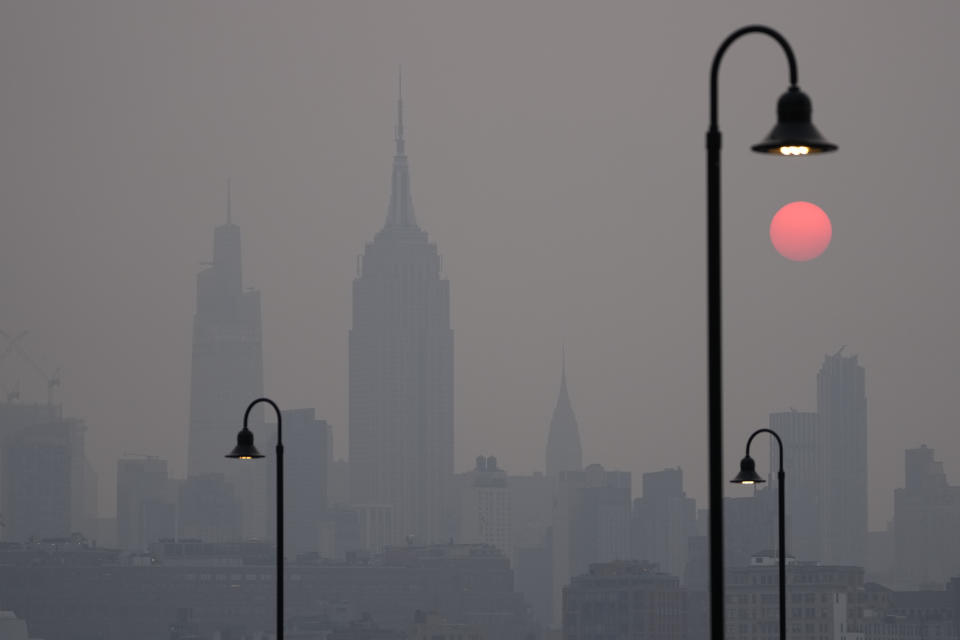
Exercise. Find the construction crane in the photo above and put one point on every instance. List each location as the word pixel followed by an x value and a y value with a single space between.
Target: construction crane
pixel 12 394
pixel 13 344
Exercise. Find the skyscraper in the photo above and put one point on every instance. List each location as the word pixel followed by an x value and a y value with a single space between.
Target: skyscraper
pixel 146 504
pixel 227 368
pixel 801 464
pixel 926 521
pixel 563 442
pixel 209 509
pixel 485 507
pixel 49 487
pixel 591 523
pixel 842 445
pixel 401 370
pixel 664 519
pixel 306 467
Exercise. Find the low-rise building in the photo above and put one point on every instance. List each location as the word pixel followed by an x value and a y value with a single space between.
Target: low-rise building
pixel 823 601
pixel 432 626
pixel 12 627
pixel 904 615
pixel 624 599
pixel 66 592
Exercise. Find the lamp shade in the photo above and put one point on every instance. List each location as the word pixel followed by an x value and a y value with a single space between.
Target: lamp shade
pixel 244 449
pixel 748 472
pixel 794 133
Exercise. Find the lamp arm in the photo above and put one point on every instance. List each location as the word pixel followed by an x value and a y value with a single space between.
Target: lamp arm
pixel 715 67
pixel 775 435
pixel 276 409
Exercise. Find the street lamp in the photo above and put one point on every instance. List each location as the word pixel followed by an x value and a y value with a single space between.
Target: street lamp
pixel 246 451
pixel 793 135
pixel 748 475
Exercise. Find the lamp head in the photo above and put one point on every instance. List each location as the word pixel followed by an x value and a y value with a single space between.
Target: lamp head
pixel 794 133
pixel 748 472
pixel 244 449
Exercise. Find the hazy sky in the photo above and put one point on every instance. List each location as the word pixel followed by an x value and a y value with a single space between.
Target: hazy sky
pixel 557 158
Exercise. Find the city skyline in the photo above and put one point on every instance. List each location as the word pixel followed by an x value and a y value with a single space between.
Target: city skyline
pixel 560 209
pixel 437 482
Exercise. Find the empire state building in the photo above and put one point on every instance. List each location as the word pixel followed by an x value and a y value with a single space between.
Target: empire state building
pixel 401 370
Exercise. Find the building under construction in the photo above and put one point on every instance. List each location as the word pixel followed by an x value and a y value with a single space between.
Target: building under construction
pixel 48 488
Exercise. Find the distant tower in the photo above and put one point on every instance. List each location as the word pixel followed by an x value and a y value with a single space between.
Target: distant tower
pixel 227 366
pixel 802 468
pixel 563 442
pixel 842 447
pixel 401 370
pixel 590 524
pixel 306 473
pixel 49 487
pixel 486 508
pixel 664 519
pixel 926 522
pixel 146 509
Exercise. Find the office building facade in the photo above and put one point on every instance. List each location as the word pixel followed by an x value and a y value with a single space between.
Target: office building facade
pixel 842 448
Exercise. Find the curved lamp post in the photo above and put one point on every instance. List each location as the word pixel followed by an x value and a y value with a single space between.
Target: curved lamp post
pixel 748 475
pixel 793 135
pixel 246 451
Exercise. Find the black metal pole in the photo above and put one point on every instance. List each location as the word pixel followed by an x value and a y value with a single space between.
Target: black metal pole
pixel 783 555
pixel 279 450
pixel 715 386
pixel 781 528
pixel 279 530
pixel 714 332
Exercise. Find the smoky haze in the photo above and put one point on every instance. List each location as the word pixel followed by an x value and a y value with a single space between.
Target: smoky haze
pixel 556 153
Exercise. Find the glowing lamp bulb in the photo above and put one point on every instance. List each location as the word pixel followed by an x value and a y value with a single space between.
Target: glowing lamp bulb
pixel 794 151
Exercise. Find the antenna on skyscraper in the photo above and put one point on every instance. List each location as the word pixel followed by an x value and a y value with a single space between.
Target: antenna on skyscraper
pixel 563 363
pixel 399 130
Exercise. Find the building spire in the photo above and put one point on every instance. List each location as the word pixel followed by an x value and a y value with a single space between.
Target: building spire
pixel 564 452
pixel 399 129
pixel 400 212
pixel 563 365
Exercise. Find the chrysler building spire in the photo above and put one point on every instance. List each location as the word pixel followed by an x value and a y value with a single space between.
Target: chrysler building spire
pixel 563 442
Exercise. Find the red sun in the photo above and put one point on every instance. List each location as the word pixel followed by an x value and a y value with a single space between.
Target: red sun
pixel 800 231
